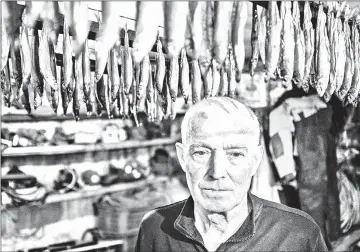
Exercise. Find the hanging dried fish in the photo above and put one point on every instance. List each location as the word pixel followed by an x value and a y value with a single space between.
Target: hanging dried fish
pixel 127 67
pixel 6 85
pixel 340 47
pixel 68 85
pixel 231 75
pixel 175 16
pixel 173 77
pixel 237 37
pixel 287 44
pixel 21 68
pixel 88 83
pixel 254 40
pixel 150 88
pixel 115 76
pixel 184 75
pixel 196 83
pixel 322 57
pixel 144 78
pixel 160 66
pixel 76 12
pixel 224 83
pixel 195 28
pixel 123 100
pixel 262 15
pixel 332 35
pixel 135 86
pixel 299 57
pixel 309 36
pixel 79 79
pixel 100 94
pixel 5 43
pixel 215 71
pixel 108 81
pixel 107 36
pixel 47 62
pixel 24 62
pixel 272 41
pixel 353 93
pixel 349 63
pixel 223 12
pixel 147 21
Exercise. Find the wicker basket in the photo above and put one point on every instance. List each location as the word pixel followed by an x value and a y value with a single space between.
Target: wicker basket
pixel 119 217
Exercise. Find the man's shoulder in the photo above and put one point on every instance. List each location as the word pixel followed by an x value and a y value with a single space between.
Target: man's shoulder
pixel 283 212
pixel 159 214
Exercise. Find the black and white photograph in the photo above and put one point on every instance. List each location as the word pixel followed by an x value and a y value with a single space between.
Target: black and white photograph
pixel 170 126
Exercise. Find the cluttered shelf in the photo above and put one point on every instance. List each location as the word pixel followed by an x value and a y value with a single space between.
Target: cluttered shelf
pixel 97 190
pixel 81 148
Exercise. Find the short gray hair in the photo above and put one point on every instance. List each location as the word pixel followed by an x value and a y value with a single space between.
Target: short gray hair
pixel 226 104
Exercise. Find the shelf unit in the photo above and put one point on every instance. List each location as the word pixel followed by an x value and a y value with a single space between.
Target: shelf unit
pixel 81 148
pixel 98 191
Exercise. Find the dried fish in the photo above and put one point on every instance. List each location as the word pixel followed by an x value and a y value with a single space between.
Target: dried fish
pixel 11 20
pixel 175 16
pixel 79 79
pixel 299 58
pixel 332 35
pixel 224 83
pixel 237 37
pixel 107 36
pixel 21 68
pixel 349 63
pixel 322 56
pixel 114 75
pixel 223 12
pixel 144 78
pixel 215 71
pixel 231 75
pixel 76 12
pixel 68 85
pixel 160 66
pixel 261 12
pixel 353 93
pixel 254 40
pixel 88 83
pixel 184 75
pixel 6 85
pixel 196 83
pixel 127 67
pixel 309 36
pixel 340 48
pixel 133 101
pixel 195 28
pixel 5 43
pixel 150 88
pixel 287 44
pixel 47 62
pixel 173 77
pixel 272 41
pixel 147 21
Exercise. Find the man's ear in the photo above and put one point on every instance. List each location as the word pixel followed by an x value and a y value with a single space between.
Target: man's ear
pixel 257 159
pixel 180 152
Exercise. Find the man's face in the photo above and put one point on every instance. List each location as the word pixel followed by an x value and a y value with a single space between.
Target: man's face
pixel 219 157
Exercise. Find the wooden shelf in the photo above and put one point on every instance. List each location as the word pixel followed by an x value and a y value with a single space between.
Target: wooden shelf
pixel 53 198
pixel 98 191
pixel 80 148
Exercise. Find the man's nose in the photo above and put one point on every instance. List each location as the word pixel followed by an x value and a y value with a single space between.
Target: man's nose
pixel 218 165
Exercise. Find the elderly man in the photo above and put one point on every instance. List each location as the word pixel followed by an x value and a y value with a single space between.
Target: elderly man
pixel 220 152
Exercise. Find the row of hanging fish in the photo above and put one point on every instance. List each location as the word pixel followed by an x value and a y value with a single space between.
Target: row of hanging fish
pixel 325 57
pixel 205 54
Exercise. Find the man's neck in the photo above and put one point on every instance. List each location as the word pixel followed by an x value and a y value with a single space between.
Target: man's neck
pixel 220 226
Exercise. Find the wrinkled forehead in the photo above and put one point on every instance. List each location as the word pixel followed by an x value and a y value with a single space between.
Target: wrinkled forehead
pixel 216 122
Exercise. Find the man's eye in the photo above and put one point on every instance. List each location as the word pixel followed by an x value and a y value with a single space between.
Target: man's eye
pixel 200 153
pixel 236 154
